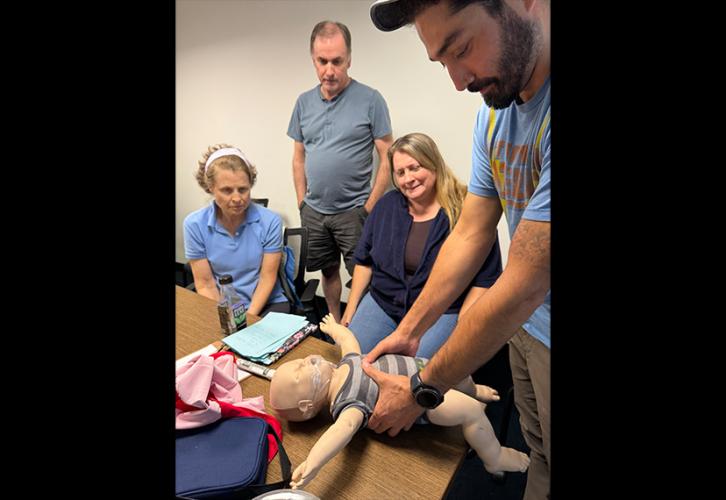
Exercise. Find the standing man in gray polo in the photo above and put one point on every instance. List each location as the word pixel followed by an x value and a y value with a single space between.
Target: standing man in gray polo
pixel 335 127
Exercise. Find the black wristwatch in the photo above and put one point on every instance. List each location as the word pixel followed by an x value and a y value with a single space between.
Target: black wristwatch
pixel 427 396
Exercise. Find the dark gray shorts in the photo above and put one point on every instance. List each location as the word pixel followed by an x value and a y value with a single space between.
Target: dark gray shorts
pixel 331 235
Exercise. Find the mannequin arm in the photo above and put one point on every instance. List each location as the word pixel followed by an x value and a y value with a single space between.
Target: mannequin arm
pixel 343 337
pixel 330 443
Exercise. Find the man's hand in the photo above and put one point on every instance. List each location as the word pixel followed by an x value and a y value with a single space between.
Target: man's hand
pixel 396 408
pixel 395 343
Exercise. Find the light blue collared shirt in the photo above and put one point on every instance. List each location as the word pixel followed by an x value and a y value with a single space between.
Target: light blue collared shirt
pixel 239 255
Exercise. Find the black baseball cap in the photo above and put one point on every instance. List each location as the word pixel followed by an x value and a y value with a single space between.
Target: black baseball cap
pixel 387 15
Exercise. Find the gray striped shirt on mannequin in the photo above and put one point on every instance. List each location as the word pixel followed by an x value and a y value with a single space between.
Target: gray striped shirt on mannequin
pixel 360 391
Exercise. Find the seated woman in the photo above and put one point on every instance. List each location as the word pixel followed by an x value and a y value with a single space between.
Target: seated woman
pixel 301 388
pixel 234 236
pixel 399 244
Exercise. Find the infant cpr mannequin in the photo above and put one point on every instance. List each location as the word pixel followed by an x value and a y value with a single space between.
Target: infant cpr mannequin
pixel 301 388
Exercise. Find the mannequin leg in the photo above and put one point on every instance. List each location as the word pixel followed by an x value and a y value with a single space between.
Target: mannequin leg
pixel 460 409
pixel 483 393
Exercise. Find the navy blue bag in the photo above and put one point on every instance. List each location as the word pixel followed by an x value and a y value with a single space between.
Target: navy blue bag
pixel 227 459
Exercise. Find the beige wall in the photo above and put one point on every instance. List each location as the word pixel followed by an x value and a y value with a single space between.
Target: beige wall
pixel 240 65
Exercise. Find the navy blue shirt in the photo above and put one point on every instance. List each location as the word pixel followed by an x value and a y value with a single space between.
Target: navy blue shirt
pixel 382 247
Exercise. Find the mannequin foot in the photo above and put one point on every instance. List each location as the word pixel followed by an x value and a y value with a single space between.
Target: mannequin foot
pixel 486 394
pixel 328 323
pixel 510 460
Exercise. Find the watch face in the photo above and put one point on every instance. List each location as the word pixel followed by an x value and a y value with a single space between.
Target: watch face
pixel 426 398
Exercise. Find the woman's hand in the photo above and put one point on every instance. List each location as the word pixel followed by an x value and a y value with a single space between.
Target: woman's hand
pixel 347 316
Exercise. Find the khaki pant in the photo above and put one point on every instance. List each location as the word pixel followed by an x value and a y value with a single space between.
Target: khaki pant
pixel 530 362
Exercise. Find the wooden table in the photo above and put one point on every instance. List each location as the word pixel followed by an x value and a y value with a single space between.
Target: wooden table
pixel 415 464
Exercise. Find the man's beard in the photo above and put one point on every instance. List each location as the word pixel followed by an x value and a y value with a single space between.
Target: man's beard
pixel 517 57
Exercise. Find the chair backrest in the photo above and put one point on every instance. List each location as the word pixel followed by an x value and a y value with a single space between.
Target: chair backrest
pixel 301 294
pixel 189 277
pixel 297 239
pixel 182 274
pixel 261 201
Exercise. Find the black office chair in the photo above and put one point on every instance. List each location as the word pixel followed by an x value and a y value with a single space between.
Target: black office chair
pixel 305 290
pixel 182 274
pixel 189 277
pixel 261 201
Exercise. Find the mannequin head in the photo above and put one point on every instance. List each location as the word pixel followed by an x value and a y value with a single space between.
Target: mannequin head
pixel 299 388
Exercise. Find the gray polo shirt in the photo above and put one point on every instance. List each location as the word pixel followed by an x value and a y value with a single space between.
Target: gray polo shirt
pixel 338 137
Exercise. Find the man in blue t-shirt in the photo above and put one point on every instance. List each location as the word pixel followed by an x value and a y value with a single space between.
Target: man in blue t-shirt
pixel 335 126
pixel 500 49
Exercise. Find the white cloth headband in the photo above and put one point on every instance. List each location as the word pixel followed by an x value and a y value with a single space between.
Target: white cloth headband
pixel 225 152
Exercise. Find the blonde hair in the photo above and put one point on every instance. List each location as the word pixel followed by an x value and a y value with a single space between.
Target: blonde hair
pixel 205 175
pixel 450 191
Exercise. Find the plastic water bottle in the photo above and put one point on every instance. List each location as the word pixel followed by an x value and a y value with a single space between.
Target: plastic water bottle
pixel 231 308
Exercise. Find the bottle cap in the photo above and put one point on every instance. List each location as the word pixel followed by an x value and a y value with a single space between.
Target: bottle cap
pixel 225 279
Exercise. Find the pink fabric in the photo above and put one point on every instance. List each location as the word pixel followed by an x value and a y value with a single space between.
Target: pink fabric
pixel 205 381
pixel 207 389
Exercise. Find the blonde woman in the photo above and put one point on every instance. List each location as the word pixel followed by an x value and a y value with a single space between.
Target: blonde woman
pixel 234 236
pixel 399 244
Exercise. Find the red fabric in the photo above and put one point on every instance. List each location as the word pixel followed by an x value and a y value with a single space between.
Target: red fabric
pixel 221 353
pixel 182 405
pixel 229 410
